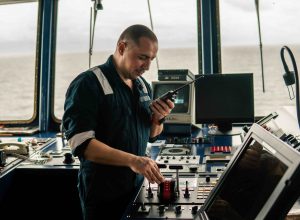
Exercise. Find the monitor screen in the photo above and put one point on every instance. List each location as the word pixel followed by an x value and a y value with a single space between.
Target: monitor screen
pixel 254 185
pixel 223 99
pixel 182 101
pixel 250 183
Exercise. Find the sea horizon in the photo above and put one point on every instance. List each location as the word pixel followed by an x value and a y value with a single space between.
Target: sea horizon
pixel 17 76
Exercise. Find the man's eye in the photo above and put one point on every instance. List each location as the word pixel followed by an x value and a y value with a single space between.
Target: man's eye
pixel 142 58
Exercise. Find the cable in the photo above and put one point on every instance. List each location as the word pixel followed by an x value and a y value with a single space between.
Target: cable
pixel 290 76
pixel 151 23
pixel 40 158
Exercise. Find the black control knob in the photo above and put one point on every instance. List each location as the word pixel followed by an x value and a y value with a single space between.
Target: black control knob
pixel 69 159
pixel 143 207
pixel 193 168
pixel 178 209
pixel 194 209
pixel 246 128
pixel 150 193
pixel 186 193
pixel 2 158
pixel 296 146
pixel 161 209
pixel 287 137
pixel 207 178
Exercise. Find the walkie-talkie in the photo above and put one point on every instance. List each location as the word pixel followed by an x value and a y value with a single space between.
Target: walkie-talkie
pixel 171 95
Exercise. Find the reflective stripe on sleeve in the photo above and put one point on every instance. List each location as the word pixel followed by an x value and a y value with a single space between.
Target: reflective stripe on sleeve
pixel 79 138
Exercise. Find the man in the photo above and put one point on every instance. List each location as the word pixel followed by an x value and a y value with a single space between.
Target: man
pixel 109 118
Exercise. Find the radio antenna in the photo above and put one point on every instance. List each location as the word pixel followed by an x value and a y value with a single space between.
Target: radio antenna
pixel 94 9
pixel 151 23
pixel 260 46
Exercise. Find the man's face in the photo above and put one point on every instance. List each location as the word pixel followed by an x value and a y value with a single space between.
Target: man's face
pixel 136 59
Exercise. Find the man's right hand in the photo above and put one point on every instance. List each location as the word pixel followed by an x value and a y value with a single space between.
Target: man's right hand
pixel 148 168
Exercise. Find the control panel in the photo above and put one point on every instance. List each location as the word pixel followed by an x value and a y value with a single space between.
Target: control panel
pixel 173 199
pixel 177 154
pixel 187 185
pixel 14 150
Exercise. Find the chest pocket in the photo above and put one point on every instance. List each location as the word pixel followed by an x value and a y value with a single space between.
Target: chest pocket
pixel 120 115
pixel 116 122
pixel 117 112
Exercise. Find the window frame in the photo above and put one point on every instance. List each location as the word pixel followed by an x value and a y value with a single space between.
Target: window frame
pixel 33 121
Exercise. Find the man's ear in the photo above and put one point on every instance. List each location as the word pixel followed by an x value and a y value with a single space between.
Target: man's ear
pixel 121 47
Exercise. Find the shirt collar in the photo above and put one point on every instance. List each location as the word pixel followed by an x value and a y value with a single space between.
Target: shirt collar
pixel 114 75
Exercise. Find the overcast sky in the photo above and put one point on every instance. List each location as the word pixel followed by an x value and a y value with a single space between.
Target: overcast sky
pixel 174 23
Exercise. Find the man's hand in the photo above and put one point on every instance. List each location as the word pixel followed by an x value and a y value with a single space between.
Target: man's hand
pixel 161 109
pixel 148 168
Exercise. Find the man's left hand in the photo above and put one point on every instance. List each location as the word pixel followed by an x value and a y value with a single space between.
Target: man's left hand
pixel 161 109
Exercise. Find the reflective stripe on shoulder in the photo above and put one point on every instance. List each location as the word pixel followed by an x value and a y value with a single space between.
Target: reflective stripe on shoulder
pixel 146 96
pixel 143 84
pixel 102 80
pixel 79 138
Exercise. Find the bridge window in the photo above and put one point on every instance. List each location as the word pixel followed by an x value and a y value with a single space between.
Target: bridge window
pixel 18 72
pixel 174 22
pixel 241 46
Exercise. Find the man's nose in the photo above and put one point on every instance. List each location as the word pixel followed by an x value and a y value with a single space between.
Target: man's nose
pixel 147 64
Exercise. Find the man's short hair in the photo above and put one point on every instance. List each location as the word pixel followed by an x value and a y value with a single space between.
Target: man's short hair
pixel 135 32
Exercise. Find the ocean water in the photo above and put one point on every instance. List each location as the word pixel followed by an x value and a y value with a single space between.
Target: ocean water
pixel 18 89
